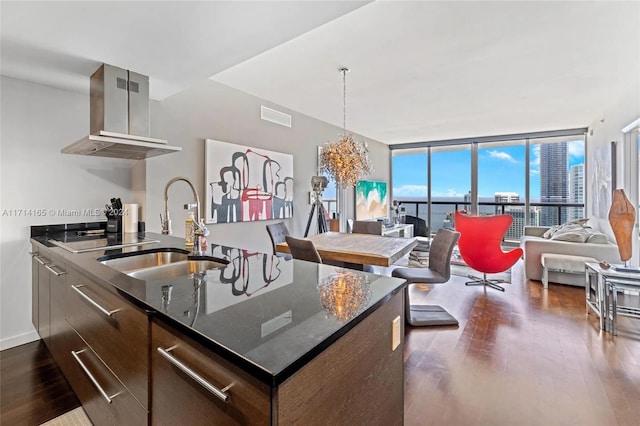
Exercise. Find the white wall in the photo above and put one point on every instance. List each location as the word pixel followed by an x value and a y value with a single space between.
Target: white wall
pixel 37 121
pixel 214 111
pixel 607 128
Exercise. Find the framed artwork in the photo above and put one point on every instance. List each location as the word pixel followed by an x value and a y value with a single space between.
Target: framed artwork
pixel 246 184
pixel 372 200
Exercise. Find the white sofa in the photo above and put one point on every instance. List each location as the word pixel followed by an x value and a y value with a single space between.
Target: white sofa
pixel 534 244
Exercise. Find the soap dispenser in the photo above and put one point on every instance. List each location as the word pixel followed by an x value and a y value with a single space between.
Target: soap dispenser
pixel 189 228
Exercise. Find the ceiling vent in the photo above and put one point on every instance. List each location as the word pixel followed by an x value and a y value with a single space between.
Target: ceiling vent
pixel 274 116
pixel 119 118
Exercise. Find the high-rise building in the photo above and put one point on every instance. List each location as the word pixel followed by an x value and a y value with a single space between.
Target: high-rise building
pixel 505 197
pixel 515 230
pixel 576 191
pixel 554 185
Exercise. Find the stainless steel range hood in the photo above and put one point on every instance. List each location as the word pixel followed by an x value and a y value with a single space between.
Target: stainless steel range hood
pixel 119 118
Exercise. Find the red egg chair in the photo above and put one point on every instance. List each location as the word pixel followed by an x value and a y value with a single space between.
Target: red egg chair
pixel 480 246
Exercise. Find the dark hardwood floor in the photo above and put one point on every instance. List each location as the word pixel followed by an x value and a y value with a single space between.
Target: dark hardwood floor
pixel 523 357
pixel 32 388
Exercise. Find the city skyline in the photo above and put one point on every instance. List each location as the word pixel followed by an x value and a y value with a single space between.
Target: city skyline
pixel 500 169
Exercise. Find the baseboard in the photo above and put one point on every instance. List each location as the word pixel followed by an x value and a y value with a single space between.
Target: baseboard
pixel 21 339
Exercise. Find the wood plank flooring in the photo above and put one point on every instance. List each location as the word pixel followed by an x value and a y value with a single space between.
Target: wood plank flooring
pixel 523 357
pixel 32 388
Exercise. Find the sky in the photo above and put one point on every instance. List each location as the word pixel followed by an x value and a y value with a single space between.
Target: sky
pixel 500 169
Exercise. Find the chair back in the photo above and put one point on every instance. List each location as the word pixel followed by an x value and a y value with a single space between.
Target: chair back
pixel 303 249
pixel 420 228
pixel 277 233
pixel 367 227
pixel 440 251
pixel 480 242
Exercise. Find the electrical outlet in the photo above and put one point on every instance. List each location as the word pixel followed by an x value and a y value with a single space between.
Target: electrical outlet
pixel 395 333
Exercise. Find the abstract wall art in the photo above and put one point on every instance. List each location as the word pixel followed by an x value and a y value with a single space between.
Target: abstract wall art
pixel 372 200
pixel 600 175
pixel 247 184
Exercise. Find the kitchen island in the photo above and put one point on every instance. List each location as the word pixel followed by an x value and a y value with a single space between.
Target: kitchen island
pixel 258 339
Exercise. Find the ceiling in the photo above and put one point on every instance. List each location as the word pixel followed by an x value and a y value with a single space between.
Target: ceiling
pixel 420 70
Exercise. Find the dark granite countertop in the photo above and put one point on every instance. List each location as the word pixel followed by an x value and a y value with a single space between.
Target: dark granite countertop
pixel 264 313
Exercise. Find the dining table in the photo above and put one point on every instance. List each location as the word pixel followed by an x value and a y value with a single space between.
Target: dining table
pixel 357 249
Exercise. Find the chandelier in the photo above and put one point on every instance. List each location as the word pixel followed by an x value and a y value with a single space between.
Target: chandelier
pixel 345 160
pixel 345 294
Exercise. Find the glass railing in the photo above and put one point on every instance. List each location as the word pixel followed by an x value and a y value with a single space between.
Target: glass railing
pixel 540 214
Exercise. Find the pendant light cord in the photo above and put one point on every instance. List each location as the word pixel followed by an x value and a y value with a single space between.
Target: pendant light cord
pixel 344 71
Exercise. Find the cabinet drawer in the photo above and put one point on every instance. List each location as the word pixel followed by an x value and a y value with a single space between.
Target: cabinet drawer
pixel 179 399
pixel 57 289
pixel 115 329
pixel 93 383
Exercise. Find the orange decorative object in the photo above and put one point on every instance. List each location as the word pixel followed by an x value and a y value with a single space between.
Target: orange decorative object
pixel 622 217
pixel 480 245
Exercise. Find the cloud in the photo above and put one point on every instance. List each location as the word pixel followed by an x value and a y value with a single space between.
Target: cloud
pixel 534 157
pixel 502 156
pixel 575 149
pixel 410 191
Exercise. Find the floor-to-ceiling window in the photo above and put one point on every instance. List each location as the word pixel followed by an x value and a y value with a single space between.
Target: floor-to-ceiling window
pixel 450 184
pixel 538 178
pixel 556 180
pixel 410 181
pixel 502 182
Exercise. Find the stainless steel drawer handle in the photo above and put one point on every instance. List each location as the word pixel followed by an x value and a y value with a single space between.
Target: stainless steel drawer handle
pixel 39 259
pixel 106 396
pixel 54 271
pixel 108 313
pixel 220 393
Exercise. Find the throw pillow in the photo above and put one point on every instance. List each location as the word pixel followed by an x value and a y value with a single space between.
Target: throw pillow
pixel 572 232
pixel 598 238
pixel 549 232
pixel 582 221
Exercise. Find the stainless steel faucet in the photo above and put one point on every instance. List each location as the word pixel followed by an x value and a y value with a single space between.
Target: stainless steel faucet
pixel 166 222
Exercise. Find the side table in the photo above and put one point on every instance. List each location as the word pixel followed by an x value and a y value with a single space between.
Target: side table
pixel 602 288
pixel 594 291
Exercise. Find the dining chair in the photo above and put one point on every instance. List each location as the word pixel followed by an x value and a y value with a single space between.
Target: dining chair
pixel 277 233
pixel 480 246
pixel 303 249
pixel 437 271
pixel 367 227
pixel 420 228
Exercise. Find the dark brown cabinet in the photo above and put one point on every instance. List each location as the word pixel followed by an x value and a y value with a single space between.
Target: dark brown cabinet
pixel 357 380
pixel 109 349
pixel 48 282
pixel 128 369
pixel 115 329
pixel 103 396
pixel 191 385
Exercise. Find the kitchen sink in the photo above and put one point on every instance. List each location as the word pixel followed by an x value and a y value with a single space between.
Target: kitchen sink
pixel 145 260
pixel 161 264
pixel 175 270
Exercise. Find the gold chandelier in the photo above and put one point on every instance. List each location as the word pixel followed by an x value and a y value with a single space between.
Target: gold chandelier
pixel 345 294
pixel 345 160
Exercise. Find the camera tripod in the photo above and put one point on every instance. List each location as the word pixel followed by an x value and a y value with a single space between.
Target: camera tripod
pixel 322 223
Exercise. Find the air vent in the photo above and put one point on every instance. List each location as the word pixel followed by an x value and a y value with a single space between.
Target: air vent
pixel 274 116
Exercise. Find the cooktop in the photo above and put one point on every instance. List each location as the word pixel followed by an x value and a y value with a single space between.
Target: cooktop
pixel 80 243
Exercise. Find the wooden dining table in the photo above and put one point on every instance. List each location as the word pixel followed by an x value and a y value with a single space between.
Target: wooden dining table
pixel 359 249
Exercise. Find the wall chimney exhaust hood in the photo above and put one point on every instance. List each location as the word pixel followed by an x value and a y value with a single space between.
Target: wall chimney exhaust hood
pixel 119 118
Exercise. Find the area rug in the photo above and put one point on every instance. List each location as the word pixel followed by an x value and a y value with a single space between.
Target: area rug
pixel 428 315
pixel 76 417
